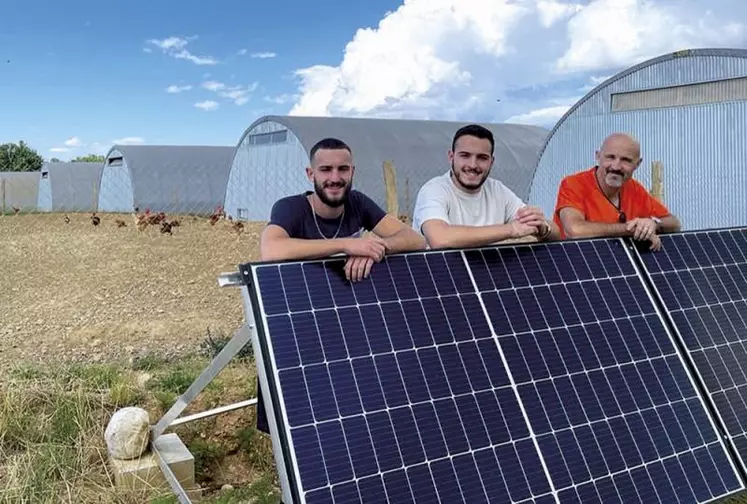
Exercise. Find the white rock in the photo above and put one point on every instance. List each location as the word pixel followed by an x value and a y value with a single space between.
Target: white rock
pixel 128 433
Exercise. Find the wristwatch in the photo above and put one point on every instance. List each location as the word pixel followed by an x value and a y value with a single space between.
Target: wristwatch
pixel 657 221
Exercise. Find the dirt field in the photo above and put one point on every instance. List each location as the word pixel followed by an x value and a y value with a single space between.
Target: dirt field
pixel 74 291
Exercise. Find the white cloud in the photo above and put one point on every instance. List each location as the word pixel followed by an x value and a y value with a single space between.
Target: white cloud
pixel 552 11
pixel 546 116
pixel 207 105
pixel 242 52
pixel 416 52
pixel 239 94
pixel 263 55
pixel 73 142
pixel 176 47
pixel 60 149
pixel 177 89
pixel 451 59
pixel 213 85
pixel 281 98
pixel 620 33
pixel 128 141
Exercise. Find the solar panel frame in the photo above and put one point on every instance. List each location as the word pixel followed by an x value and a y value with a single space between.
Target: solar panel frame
pixel 652 275
pixel 288 470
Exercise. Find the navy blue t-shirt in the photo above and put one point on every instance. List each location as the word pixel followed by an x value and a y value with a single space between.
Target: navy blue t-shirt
pixel 294 214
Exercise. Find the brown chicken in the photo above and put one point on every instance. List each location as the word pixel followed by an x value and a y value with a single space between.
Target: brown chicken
pixel 120 223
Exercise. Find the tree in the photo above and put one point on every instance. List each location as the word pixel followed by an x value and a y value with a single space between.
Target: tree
pixel 90 158
pixel 19 157
pixel 55 160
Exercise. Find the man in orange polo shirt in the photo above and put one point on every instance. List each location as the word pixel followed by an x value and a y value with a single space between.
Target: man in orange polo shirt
pixel 605 200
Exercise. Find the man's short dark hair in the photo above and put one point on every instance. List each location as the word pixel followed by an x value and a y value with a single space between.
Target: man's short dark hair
pixel 328 143
pixel 474 130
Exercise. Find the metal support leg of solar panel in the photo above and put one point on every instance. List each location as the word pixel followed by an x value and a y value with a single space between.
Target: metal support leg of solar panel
pixel 171 418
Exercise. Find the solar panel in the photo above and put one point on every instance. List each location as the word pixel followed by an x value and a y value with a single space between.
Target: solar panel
pixel 702 280
pixel 536 373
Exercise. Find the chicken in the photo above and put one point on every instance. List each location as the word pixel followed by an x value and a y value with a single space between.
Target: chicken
pixel 166 228
pixel 67 219
pixel 120 223
pixel 216 216
pixel 238 227
pixel 95 219
pixel 15 210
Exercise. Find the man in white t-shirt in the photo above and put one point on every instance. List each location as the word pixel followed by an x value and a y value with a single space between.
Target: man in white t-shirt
pixel 466 208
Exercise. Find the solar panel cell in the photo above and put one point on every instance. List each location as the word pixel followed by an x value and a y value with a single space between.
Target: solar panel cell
pixel 395 389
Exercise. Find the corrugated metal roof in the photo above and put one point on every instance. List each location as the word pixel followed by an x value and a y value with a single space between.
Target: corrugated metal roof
pixel 74 186
pixel 19 189
pixel 417 148
pixel 176 178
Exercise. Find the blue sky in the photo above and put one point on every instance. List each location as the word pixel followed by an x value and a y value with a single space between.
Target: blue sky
pixel 77 76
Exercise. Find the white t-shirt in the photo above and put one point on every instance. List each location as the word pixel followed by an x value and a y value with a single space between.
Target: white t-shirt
pixel 440 199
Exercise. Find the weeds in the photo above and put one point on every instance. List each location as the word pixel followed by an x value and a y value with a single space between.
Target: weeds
pixel 52 422
pixel 212 346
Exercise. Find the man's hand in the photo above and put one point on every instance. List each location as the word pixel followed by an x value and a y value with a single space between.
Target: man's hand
pixel 357 268
pixel 642 229
pixel 531 216
pixel 655 243
pixel 370 246
pixel 519 230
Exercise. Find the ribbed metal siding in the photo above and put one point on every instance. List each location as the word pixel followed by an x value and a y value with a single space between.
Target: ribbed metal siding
pixel 262 174
pixel 116 193
pixel 701 146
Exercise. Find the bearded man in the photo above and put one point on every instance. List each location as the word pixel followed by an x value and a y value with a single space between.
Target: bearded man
pixel 465 207
pixel 605 200
pixel 331 219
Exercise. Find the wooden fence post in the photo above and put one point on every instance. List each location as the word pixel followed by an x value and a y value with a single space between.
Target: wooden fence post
pixel 657 180
pixel 2 195
pixel 390 182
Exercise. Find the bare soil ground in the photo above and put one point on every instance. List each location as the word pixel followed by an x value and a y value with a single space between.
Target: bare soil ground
pixel 78 292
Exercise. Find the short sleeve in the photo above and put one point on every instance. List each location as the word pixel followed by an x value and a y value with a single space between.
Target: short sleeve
pixel 432 203
pixel 513 204
pixel 287 215
pixel 569 196
pixel 658 209
pixel 371 213
pixel 652 206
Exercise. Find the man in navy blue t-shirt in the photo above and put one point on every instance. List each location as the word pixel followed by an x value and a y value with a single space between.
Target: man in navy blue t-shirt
pixel 331 220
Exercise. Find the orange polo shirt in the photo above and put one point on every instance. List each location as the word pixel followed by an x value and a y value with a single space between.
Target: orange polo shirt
pixel 582 192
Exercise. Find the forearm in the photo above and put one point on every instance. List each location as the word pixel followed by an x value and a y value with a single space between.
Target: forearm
pixel 455 236
pixel 295 248
pixel 403 241
pixel 586 229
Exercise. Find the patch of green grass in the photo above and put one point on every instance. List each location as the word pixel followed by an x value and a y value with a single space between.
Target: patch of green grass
pixel 52 422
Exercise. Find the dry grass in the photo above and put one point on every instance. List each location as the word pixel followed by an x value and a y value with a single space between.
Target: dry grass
pixel 71 290
pixel 94 318
pixel 52 421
